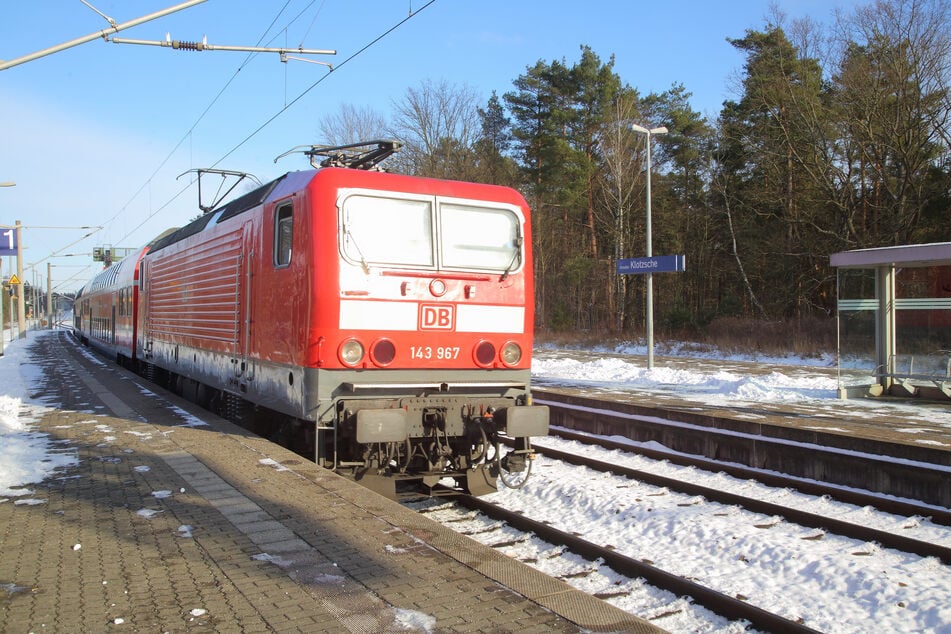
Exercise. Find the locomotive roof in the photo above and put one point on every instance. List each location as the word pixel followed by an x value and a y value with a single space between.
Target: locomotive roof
pixel 251 200
pixel 239 205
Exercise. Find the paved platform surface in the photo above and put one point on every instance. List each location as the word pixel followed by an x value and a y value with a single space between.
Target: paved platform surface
pixel 177 521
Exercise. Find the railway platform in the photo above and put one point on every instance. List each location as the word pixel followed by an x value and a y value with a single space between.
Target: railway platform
pixel 913 422
pixel 896 447
pixel 174 520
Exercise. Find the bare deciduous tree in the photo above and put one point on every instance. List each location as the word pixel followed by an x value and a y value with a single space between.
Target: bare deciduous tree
pixel 352 125
pixel 439 125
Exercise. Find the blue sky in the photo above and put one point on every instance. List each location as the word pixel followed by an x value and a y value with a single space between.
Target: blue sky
pixel 98 134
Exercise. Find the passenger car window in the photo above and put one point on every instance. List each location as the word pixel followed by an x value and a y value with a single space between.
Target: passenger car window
pixel 283 234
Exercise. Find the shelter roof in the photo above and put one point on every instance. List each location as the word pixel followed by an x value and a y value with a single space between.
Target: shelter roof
pixel 935 254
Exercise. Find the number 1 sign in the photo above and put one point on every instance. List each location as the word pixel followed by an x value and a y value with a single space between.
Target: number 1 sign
pixel 8 241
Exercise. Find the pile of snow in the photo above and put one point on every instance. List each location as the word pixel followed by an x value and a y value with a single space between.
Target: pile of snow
pixel 26 456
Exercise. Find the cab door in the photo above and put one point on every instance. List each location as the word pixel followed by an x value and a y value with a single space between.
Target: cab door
pixel 244 307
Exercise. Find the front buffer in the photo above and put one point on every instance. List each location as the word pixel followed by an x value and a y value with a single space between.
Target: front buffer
pixel 437 444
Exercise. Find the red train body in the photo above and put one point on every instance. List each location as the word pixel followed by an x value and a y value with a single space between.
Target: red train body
pixel 386 319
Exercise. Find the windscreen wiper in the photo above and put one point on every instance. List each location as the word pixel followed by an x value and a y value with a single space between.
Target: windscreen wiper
pixel 515 257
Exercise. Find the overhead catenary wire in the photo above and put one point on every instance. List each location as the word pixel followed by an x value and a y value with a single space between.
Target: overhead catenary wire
pixel 263 125
pixel 321 80
pixel 250 136
pixel 186 135
pixel 312 21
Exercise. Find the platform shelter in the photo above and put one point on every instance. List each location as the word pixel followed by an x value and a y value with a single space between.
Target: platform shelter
pixel 894 321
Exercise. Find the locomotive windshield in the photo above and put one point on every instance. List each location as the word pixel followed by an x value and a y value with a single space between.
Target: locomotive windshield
pixel 372 226
pixel 429 233
pixel 478 237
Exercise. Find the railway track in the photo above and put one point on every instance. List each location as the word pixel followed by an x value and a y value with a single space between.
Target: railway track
pixel 843 528
pixel 812 487
pixel 717 602
pixel 726 605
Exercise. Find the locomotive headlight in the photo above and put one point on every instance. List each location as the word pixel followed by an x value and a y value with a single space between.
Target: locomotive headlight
pixel 351 352
pixel 511 353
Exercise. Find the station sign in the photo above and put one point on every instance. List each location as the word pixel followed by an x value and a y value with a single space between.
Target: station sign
pixel 8 242
pixel 655 264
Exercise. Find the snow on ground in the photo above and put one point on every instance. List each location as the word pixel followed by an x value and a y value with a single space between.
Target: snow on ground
pixel 26 456
pixel 693 373
pixel 836 585
pixel 728 381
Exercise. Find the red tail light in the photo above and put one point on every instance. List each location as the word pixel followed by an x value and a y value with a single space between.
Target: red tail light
pixel 484 354
pixel 382 352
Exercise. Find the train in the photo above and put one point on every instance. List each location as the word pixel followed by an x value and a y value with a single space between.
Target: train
pixel 379 322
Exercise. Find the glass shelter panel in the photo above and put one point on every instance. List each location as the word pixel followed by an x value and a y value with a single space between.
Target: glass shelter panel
pixel 923 311
pixel 858 316
pixel 856 284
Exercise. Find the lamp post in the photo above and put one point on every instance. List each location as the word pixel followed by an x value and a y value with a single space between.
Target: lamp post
pixel 21 291
pixel 49 295
pixel 648 133
pixel 2 298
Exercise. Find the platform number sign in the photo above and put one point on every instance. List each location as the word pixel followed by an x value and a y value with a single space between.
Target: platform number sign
pixel 8 241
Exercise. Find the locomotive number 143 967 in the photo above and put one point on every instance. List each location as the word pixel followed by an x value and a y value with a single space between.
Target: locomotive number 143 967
pixel 438 352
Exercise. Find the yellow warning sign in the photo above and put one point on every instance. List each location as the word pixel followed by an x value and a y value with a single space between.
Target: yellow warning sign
pixel 14 279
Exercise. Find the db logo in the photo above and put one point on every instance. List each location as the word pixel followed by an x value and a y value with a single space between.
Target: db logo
pixel 437 317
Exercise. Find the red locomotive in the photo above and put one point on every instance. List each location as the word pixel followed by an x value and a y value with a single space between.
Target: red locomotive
pixel 385 319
